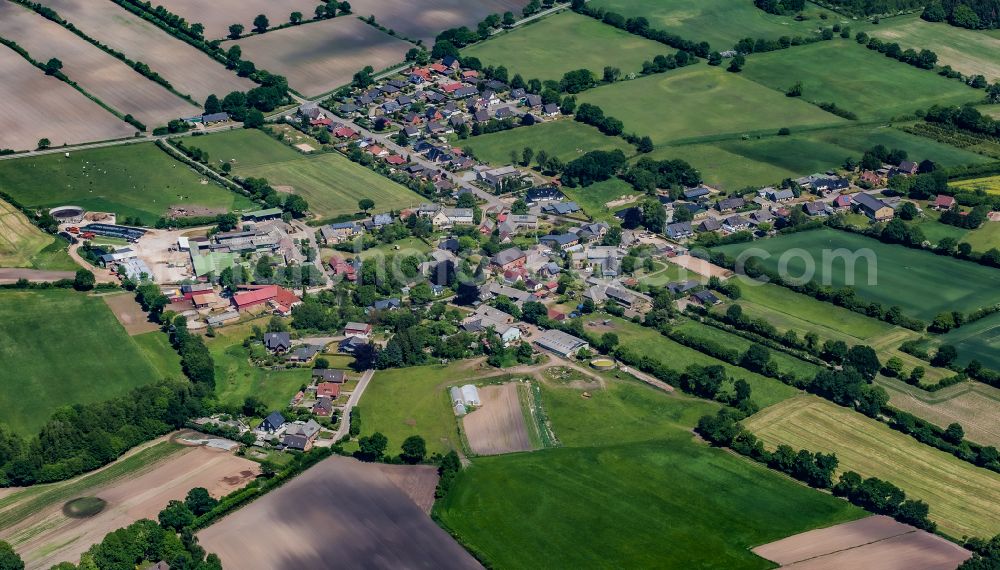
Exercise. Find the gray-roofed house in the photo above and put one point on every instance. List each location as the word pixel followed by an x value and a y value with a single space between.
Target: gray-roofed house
pixel 560 343
pixel 735 223
pixel 698 192
pixel 873 207
pixel 272 423
pixel 561 209
pixel 550 110
pixel 705 297
pixel 730 204
pixel 709 225
pixel 278 342
pixel 815 208
pixel 328 375
pixel 776 195
pixel 679 230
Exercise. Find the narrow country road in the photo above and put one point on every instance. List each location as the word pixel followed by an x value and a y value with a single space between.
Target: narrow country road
pixel 345 418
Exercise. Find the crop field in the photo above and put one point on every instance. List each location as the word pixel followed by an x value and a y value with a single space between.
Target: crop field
pixel 971 52
pixel 322 509
pixel 736 163
pixel 71 366
pixel 874 542
pixel 499 425
pixel 860 80
pixel 701 101
pixel 424 19
pixel 565 139
pixel 24 245
pixel 236 378
pixel 634 506
pixel 49 536
pixel 919 282
pixel 960 495
pixel 218 15
pixel 988 184
pixel 107 78
pixel 189 71
pixel 330 182
pixel 979 340
pixel 972 404
pixel 548 48
pixel 136 180
pixel 320 57
pixel 26 94
pixel 594 197
pixel 721 23
pixel 765 391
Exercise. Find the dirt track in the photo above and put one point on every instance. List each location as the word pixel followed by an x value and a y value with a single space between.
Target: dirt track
pixel 340 513
pixel 49 537
pixel 872 542
pixel 498 425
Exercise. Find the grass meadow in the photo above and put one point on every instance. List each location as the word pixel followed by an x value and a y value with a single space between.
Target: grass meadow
pixel 330 183
pixel 860 80
pixel 721 23
pixel 919 282
pixel 621 487
pixel 960 495
pixel 565 139
pixel 550 47
pixel 969 51
pixel 978 340
pixel 702 102
pixel 765 391
pixel 988 184
pixel 973 404
pixel 135 180
pixel 22 244
pixel 594 197
pixel 61 348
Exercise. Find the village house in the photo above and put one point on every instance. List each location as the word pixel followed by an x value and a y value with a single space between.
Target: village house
pixel 873 207
pixel 509 259
pixel 278 342
pixel 942 202
pixel 730 204
pixel 816 209
pixel 336 233
pixel 679 230
pixel 363 330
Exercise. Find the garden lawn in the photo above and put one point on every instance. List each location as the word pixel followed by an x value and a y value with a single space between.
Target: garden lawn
pixel 414 401
pixel 721 23
pixel 700 102
pixel 236 378
pixel 961 496
pixel 135 180
pixel 971 52
pixel 594 197
pixel 919 282
pixel 857 79
pixel 565 139
pixel 330 183
pixel 646 341
pixel 978 340
pixel 550 47
pixel 631 488
pixel 734 164
pixel 61 348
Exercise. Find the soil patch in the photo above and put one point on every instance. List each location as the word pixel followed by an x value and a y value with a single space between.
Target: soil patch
pixel 700 266
pixel 498 425
pixel 130 314
pixel 193 212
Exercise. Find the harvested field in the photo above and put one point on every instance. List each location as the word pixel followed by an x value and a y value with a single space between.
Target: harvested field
pixel 341 510
pixel 969 51
pixel 974 405
pixel 130 314
pixel 320 57
pixel 48 536
pixel 873 542
pixel 187 69
pixel 424 19
pixel 218 15
pixel 700 266
pixel 99 73
pixel 498 425
pixel 26 94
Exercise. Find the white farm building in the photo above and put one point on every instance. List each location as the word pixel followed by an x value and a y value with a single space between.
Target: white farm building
pixel 464 397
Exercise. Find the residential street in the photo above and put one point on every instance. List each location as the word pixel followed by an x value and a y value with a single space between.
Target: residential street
pixel 345 419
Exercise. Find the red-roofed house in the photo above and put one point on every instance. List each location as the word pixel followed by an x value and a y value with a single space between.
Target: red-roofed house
pixel 260 295
pixel 470 74
pixel 842 201
pixel 452 87
pixel 396 159
pixel 555 315
pixel 327 390
pixel 422 73
pixel 325 121
pixel 943 202
pixel 345 133
pixel 871 177
pixel 341 267
pixel 377 150
pixel 438 68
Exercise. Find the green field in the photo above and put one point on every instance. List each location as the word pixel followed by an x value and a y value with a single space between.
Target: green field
pixel 979 340
pixel 786 363
pixel 630 488
pixel 550 47
pixel 565 139
pixel 919 282
pixel 765 391
pixel 61 348
pixel 236 378
pixel 736 163
pixel 860 80
pixel 330 183
pixel 971 52
pixel 973 404
pixel 721 23
pixel 961 496
pixel 988 184
pixel 414 401
pixel 702 102
pixel 135 180
pixel 24 245
pixel 593 198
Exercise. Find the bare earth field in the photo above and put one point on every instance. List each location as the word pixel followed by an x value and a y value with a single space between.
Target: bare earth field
pixel 218 15
pixel 320 57
pixel 700 266
pixel 49 537
pixel 424 19
pixel 340 510
pixel 873 542
pixel 27 95
pixel 130 314
pixel 417 481
pixel 100 74
pixel 498 425
pixel 187 69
